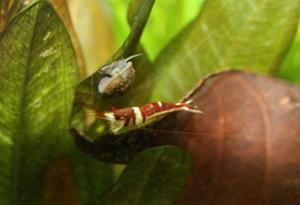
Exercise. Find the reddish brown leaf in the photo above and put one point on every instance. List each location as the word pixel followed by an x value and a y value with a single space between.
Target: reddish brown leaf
pixel 245 145
pixel 59 185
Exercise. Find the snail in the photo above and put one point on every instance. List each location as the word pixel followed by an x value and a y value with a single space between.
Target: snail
pixel 117 77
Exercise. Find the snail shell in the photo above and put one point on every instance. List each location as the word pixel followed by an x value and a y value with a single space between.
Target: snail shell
pixel 116 77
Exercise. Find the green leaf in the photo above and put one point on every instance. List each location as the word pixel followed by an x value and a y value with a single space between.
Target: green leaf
pixel 38 76
pixel 155 176
pixel 93 178
pixel 227 34
pixel 290 68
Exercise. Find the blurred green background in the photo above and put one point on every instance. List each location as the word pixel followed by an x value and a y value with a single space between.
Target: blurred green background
pixel 161 27
pixel 290 69
pixel 108 19
pixel 102 26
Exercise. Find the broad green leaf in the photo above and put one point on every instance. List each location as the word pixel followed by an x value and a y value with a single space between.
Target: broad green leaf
pixel 155 176
pixel 38 74
pixel 291 67
pixel 38 77
pixel 93 178
pixel 61 6
pixel 226 34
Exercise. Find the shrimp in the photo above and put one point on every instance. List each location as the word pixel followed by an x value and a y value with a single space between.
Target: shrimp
pixel 130 118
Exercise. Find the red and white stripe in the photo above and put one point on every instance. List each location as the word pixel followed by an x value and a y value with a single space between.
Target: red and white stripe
pixel 136 117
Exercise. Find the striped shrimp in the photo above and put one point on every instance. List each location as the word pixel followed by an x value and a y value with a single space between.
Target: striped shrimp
pixel 130 118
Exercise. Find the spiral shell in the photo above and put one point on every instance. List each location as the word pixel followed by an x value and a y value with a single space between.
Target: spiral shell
pixel 116 77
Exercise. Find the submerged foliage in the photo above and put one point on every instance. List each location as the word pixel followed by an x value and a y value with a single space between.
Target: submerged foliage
pixel 248 127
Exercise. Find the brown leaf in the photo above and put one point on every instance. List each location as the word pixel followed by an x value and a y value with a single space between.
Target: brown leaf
pixel 245 145
pixel 8 10
pixel 59 185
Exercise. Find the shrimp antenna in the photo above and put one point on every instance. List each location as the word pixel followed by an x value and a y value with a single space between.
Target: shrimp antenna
pixel 194 108
pixel 189 101
pixel 133 56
